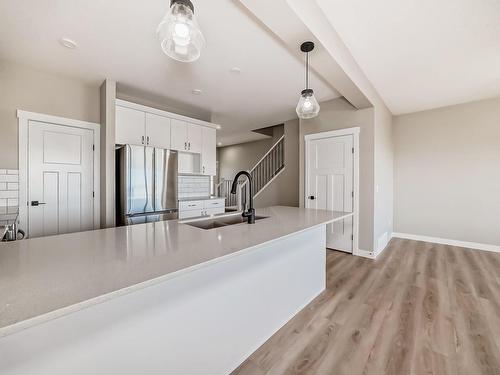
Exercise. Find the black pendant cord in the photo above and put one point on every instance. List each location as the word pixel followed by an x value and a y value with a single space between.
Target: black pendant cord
pixel 307 70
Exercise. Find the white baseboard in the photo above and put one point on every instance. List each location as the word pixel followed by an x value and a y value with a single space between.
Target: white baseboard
pixel 445 241
pixel 364 253
pixel 382 243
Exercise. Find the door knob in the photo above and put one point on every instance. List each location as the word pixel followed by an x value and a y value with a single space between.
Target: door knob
pixel 36 203
pixel 312 197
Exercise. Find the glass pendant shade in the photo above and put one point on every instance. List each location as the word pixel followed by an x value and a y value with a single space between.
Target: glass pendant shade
pixel 308 106
pixel 179 33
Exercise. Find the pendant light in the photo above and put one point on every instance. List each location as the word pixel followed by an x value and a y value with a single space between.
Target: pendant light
pixel 179 33
pixel 308 106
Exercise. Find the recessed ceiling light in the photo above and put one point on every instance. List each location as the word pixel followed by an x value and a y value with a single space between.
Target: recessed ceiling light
pixel 217 126
pixel 196 91
pixel 68 43
pixel 219 143
pixel 235 70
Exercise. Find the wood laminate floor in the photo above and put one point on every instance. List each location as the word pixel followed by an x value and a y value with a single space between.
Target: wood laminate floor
pixel 421 308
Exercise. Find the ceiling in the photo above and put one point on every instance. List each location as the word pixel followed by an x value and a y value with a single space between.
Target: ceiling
pixel 422 54
pixel 117 40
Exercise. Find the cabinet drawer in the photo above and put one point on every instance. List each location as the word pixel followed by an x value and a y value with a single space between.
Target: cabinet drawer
pixel 213 203
pixel 190 205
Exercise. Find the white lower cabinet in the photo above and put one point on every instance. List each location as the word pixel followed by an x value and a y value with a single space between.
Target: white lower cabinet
pixel 189 209
pixel 213 211
pixel 190 213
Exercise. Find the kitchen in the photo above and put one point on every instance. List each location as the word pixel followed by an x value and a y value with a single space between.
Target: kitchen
pixel 147 174
pixel 249 187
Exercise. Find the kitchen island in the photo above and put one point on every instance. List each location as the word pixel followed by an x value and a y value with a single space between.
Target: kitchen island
pixel 164 297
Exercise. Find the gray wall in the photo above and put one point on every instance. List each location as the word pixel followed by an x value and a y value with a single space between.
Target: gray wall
pixel 340 114
pixel 148 99
pixel 241 156
pixel 284 189
pixel 31 90
pixel 447 172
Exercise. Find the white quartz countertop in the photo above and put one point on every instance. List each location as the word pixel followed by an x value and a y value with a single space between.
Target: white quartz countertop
pixel 43 278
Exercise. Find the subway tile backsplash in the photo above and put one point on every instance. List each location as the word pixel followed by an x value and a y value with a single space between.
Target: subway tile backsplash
pixel 193 186
pixel 9 195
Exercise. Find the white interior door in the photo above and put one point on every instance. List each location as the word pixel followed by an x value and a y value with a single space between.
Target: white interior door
pixel 330 169
pixel 61 177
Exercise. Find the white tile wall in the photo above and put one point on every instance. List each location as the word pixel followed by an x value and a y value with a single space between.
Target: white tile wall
pixel 9 194
pixel 193 186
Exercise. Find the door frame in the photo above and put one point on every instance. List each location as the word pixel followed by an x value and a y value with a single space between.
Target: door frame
pixel 24 117
pixel 354 131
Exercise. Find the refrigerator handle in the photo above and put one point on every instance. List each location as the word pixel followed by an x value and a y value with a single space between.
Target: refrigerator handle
pixel 129 177
pixel 145 177
pixel 153 181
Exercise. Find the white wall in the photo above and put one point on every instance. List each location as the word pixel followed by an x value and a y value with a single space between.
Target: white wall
pixel 383 178
pixel 108 188
pixel 447 172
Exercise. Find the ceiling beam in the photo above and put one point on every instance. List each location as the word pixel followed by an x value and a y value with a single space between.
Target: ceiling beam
pixel 295 21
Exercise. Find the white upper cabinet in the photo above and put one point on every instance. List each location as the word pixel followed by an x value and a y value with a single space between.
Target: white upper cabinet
pixel 178 133
pixel 186 136
pixel 195 139
pixel 157 131
pixel 130 126
pixel 208 151
pixel 194 136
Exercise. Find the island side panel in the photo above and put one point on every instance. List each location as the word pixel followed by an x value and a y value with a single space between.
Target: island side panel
pixel 204 322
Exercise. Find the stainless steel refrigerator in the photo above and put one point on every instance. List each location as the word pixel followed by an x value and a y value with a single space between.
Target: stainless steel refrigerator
pixel 146 184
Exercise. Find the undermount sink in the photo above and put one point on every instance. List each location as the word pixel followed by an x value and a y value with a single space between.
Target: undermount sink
pixel 223 221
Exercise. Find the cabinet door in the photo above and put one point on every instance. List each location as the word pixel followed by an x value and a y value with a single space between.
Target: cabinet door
pixel 178 135
pixel 130 126
pixel 190 213
pixel 208 151
pixel 214 211
pixel 194 138
pixel 157 131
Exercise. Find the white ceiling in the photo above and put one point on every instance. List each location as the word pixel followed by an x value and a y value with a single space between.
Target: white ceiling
pixel 117 40
pixel 422 54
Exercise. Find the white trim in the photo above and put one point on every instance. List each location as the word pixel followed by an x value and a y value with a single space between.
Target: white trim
pixel 24 117
pixel 333 133
pixel 446 241
pixel 354 131
pixel 159 112
pixel 365 254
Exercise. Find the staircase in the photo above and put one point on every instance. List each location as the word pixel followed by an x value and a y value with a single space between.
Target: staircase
pixel 263 173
